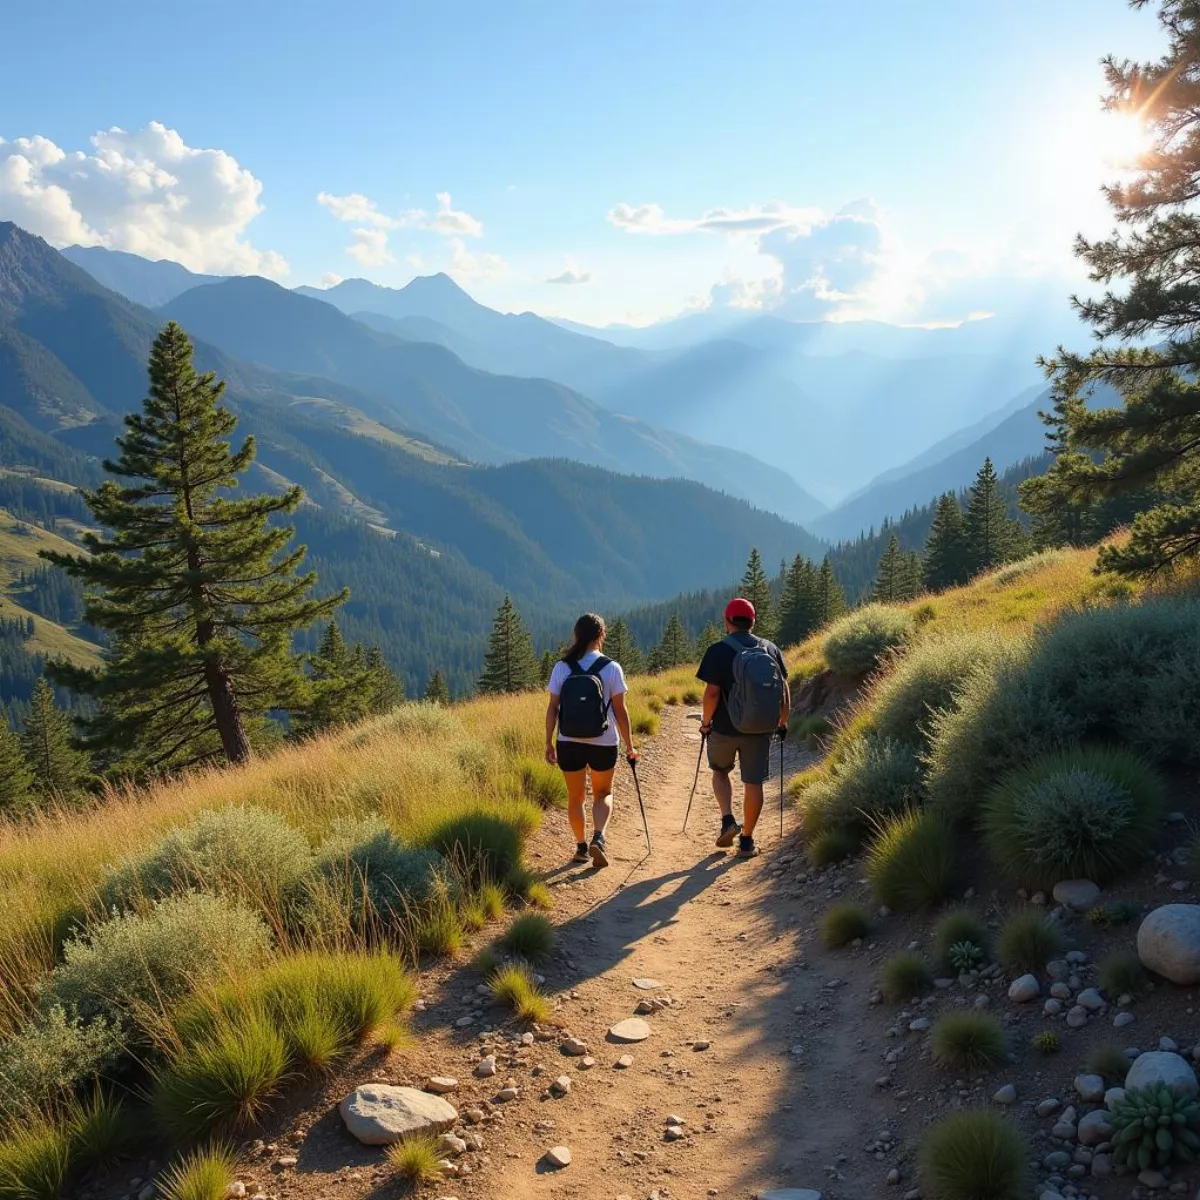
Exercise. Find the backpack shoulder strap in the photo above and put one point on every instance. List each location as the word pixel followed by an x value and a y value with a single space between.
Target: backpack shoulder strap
pixel 574 667
pixel 598 666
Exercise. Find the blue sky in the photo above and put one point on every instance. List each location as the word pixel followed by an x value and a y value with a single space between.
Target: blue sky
pixel 914 162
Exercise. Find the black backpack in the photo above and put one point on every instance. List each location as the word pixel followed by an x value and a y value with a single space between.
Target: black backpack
pixel 582 711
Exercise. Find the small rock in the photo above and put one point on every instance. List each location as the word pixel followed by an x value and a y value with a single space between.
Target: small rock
pixel 463 1022
pixel 1091 999
pixel 1094 1128
pixel 235 1191
pixel 1024 989
pixel 1052 1007
pixel 632 1030
pixel 559 1157
pixel 562 1085
pixel 1113 1096
pixel 1168 1044
pixel 440 1084
pixel 1048 1107
pixel 574 1047
pixel 1077 1017
pixel 508 1093
pixel 378 1114
pixel 647 985
pixel 1006 1095
pixel 1122 1019
pixel 1079 894
pixel 586 1063
pixel 920 1025
pixel 1154 1180
pixel 624 1062
pixel 448 1143
pixel 486 1068
pixel 701 1045
pixel 673 1133
pixel 1060 991
pixel 1090 1088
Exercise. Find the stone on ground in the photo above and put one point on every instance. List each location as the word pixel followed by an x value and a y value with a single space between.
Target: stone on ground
pixel 647 985
pixel 1168 942
pixel 1094 1128
pixel 1024 989
pixel 562 1085
pixel 1090 1088
pixel 440 1084
pixel 1079 894
pixel 559 1156
pixel 632 1030
pixel 1160 1067
pixel 1006 1095
pixel 378 1114
pixel 1090 999
pixel 575 1047
pixel 486 1068
pixel 625 1061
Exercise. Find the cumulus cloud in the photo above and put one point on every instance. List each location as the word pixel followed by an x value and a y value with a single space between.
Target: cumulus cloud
pixel 570 273
pixel 370 247
pixel 357 209
pixel 757 219
pixel 330 279
pixel 466 266
pixel 146 192
pixel 454 224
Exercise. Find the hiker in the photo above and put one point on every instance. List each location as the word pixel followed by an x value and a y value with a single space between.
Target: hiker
pixel 587 704
pixel 746 704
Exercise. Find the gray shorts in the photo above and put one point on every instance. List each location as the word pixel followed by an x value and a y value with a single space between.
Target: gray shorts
pixel 752 750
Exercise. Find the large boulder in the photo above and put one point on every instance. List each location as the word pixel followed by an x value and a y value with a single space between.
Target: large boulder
pixel 1160 1066
pixel 1168 942
pixel 379 1114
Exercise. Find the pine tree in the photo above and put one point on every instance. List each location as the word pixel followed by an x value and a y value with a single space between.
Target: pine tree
pixel 1150 441
pixel 674 649
pixel 16 778
pixel 710 635
pixel 199 588
pixel 545 666
pixel 510 664
pixel 947 557
pixel 992 536
pixel 384 686
pixel 756 588
pixel 58 768
pixel 343 688
pixel 620 646
pixel 894 581
pixel 799 615
pixel 830 598
pixel 436 691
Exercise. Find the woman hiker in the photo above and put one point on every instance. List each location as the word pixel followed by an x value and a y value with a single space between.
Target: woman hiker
pixel 587 705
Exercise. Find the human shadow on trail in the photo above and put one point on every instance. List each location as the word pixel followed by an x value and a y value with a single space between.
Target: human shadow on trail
pixel 612 929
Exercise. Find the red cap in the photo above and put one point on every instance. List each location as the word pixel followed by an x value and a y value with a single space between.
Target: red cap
pixel 739 609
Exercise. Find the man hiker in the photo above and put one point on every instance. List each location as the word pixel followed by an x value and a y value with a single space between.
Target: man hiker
pixel 746 704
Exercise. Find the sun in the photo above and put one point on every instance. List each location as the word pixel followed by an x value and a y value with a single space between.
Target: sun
pixel 1122 140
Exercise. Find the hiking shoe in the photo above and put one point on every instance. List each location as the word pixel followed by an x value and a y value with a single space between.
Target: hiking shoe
pixel 747 848
pixel 597 849
pixel 729 830
pixel 581 853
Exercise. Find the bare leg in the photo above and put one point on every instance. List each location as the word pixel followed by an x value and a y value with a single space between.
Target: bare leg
pixel 602 801
pixel 723 790
pixel 752 806
pixel 576 782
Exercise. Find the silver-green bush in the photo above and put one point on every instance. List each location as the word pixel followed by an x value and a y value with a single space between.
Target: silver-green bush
pixel 863 638
pixel 874 778
pixel 128 968
pixel 245 852
pixel 1128 675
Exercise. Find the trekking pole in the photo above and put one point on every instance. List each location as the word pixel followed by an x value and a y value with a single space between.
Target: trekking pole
pixel 699 759
pixel 637 787
pixel 781 786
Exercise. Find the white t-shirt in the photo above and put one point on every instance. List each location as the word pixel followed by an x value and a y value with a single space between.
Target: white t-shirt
pixel 612 678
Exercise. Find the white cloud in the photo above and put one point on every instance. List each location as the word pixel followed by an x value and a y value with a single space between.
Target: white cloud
pixel 146 192
pixel 757 219
pixel 357 209
pixel 467 266
pixel 570 273
pixel 454 224
pixel 370 247
pixel 330 279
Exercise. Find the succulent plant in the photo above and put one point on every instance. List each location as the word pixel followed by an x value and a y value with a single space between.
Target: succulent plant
pixel 1115 913
pixel 1046 1042
pixel 965 956
pixel 1153 1127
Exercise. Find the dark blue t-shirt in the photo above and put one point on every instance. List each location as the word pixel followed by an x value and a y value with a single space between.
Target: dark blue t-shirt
pixel 717 667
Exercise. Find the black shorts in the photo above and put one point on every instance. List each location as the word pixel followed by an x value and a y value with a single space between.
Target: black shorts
pixel 574 756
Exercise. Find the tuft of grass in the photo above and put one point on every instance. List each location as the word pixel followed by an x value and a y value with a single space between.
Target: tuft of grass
pixel 472 914
pixel 35 1160
pixel 974 1155
pixel 514 985
pixel 1122 973
pixel 1046 1042
pixel 843 924
pixel 830 846
pixel 959 925
pixel 1086 813
pixel 672 699
pixel 904 976
pixel 439 931
pixel 538 895
pixel 101 1130
pixel 488 843
pixel 967 1041
pixel 416 1160
pixel 204 1174
pixel 542 783
pixel 645 724
pixel 393 1035
pixel 861 640
pixel 1028 941
pixel 1109 1062
pixel 530 937
pixel 487 961
pixel 654 703
pixel 223 1082
pixel 911 861
pixel 491 899
pixel 691 696
pixel 315 1040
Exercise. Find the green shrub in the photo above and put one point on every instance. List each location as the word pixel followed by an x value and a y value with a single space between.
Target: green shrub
pixel 101 1129
pixel 417 1159
pixel 1121 974
pixel 1154 1127
pixel 364 871
pixel 830 846
pixel 514 985
pixel 967 1041
pixel 223 1081
pixel 531 937
pixel 203 1174
pixel 1109 1062
pixel 843 924
pixel 1087 813
pixel 911 861
pixel 1028 941
pixel 874 778
pixel 1128 674
pixel 1046 1042
pixel 50 1058
pixel 904 976
pixel 129 968
pixel 538 894
pixel 692 696
pixel 35 1160
pixel 973 1155
pixel 809 729
pixel 928 679
pixel 645 724
pixel 487 961
pixel 542 783
pixel 438 930
pixel 1026 566
pixel 248 853
pixel 860 641
pixel 471 914
pixel 1118 912
pixel 486 845
pixel 958 926
pixel 491 898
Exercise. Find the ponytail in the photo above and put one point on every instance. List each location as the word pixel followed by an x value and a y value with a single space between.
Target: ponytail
pixel 588 629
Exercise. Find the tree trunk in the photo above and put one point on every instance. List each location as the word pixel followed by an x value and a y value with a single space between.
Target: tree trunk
pixel 228 716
